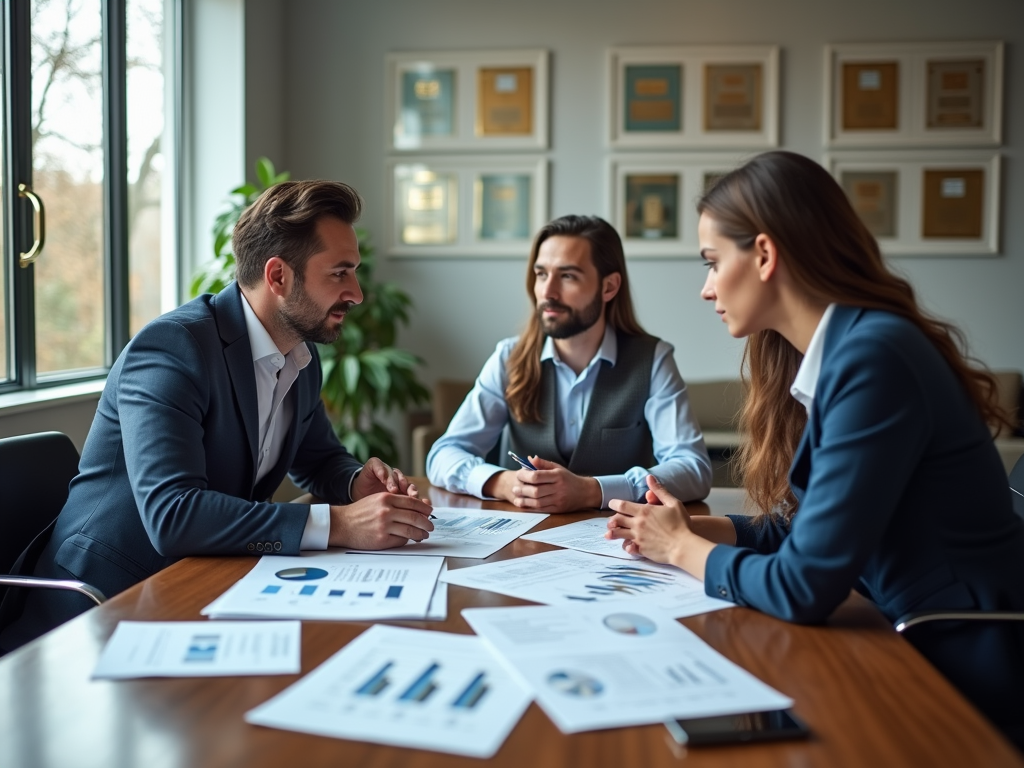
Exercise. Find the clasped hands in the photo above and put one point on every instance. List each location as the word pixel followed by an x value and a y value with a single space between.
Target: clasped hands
pixel 658 530
pixel 386 511
pixel 551 488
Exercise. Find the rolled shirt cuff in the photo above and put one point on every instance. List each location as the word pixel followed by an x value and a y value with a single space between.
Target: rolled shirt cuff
pixel 479 476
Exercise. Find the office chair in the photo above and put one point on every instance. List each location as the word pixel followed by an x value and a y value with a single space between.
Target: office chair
pixel 921 617
pixel 34 474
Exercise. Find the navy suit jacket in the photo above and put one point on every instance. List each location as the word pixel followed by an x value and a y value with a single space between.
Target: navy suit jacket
pixel 169 466
pixel 902 495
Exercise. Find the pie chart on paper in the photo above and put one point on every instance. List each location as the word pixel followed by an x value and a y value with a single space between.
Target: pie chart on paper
pixel 301 574
pixel 575 684
pixel 630 624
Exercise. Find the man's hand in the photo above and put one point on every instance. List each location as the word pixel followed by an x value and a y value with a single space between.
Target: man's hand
pixel 380 521
pixel 378 477
pixel 553 489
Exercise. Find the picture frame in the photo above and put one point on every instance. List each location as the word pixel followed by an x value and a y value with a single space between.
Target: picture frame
pixel 651 200
pixel 693 97
pixel 476 101
pixel 913 94
pixel 464 205
pixel 925 202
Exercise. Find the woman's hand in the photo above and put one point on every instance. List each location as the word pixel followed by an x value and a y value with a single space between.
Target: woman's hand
pixel 659 530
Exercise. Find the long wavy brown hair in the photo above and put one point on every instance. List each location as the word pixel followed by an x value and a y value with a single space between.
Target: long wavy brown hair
pixel 523 390
pixel 832 257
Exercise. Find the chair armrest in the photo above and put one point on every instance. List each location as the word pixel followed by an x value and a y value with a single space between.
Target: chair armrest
pixel 922 617
pixel 75 586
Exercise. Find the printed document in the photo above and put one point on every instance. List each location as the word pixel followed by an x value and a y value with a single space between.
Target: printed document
pixel 613 665
pixel 405 687
pixel 200 649
pixel 568 577
pixel 331 585
pixel 473 533
pixel 585 536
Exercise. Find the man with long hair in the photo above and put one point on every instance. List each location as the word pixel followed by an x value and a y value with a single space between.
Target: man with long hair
pixel 594 402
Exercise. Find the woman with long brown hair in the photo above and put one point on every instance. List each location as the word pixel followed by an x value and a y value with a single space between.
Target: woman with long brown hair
pixel 868 455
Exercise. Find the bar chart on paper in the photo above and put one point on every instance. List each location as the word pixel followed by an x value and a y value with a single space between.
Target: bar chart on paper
pixel 471 533
pixel 332 585
pixel 569 577
pixel 409 687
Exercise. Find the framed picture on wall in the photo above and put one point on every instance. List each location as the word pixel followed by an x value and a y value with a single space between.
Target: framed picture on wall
pixel 459 205
pixel 924 203
pixel 467 100
pixel 693 97
pixel 913 94
pixel 652 200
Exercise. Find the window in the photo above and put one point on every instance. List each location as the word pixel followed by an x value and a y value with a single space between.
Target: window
pixel 87 131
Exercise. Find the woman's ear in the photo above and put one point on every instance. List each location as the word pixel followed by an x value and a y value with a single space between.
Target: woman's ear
pixel 767 256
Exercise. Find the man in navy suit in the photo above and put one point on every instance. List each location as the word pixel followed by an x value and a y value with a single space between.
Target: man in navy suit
pixel 208 408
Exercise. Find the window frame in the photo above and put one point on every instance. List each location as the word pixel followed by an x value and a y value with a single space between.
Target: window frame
pixel 17 168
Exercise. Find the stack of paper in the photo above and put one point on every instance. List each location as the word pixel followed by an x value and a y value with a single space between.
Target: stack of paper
pixel 200 649
pixel 472 533
pixel 613 665
pixel 405 687
pixel 333 585
pixel 567 577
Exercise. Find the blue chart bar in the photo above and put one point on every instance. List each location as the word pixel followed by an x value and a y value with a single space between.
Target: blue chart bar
pixel 473 693
pixel 377 683
pixel 366 594
pixel 271 589
pixel 423 687
pixel 309 590
pixel 336 593
pixel 394 592
pixel 498 524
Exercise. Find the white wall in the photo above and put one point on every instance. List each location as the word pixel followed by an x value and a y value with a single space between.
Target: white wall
pixel 333 126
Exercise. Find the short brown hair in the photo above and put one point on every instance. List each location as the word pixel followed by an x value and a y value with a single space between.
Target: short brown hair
pixel 282 222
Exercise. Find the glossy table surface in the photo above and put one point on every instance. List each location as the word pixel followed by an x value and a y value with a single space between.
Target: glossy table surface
pixel 868 696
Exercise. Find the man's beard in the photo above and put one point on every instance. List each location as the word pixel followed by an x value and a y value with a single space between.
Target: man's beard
pixel 575 322
pixel 301 315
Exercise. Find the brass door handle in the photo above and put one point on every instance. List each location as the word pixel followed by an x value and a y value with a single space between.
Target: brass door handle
pixel 39 225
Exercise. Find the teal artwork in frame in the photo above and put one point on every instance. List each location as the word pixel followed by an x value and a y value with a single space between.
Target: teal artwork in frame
pixel 653 97
pixel 503 206
pixel 652 205
pixel 428 103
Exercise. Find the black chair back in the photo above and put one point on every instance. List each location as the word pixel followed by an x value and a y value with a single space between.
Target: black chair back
pixel 1017 486
pixel 35 471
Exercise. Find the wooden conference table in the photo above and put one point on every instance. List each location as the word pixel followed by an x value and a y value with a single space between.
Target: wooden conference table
pixel 868 696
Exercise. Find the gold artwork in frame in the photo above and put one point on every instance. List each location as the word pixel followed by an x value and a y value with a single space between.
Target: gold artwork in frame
pixel 870 95
pixel 956 94
pixel 733 96
pixel 504 101
pixel 954 203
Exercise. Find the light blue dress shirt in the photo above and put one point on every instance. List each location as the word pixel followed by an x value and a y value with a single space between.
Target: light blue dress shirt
pixel 456 460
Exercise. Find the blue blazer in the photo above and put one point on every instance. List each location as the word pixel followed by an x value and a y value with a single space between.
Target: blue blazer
pixel 169 466
pixel 902 496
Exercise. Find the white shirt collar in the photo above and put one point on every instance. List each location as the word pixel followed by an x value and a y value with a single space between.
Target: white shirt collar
pixel 806 380
pixel 608 350
pixel 263 346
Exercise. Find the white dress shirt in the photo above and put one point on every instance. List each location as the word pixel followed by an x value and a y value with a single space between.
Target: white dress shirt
pixel 806 380
pixel 275 374
pixel 456 460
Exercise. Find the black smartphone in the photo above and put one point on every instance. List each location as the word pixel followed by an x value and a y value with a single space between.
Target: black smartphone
pixel 734 729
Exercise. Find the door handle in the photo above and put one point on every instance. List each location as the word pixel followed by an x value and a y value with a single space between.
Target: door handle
pixel 38 225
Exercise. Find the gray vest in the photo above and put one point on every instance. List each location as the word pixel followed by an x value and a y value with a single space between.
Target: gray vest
pixel 615 435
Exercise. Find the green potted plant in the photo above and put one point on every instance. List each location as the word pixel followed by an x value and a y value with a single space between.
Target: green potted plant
pixel 365 374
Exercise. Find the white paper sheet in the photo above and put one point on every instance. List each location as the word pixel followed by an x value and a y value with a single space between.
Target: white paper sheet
pixel 438 609
pixel 568 577
pixel 611 665
pixel 584 536
pixel 405 687
pixel 200 649
pixel 472 533
pixel 331 585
